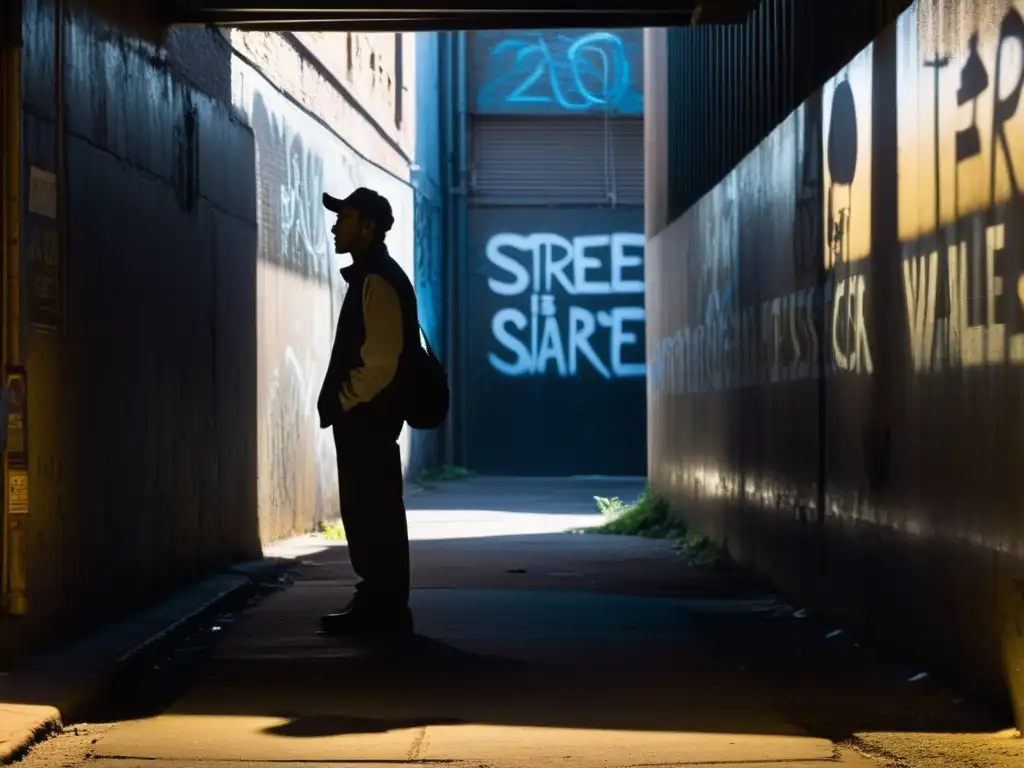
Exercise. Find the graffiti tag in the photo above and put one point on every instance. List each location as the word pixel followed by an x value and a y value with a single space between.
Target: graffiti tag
pixel 293 227
pixel 574 72
pixel 534 334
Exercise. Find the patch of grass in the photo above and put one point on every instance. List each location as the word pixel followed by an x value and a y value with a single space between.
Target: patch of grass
pixel 701 550
pixel 447 472
pixel 333 530
pixel 649 516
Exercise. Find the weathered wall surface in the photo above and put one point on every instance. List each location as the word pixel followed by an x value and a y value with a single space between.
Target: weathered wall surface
pixel 312 136
pixel 139 335
pixel 836 335
pixel 176 337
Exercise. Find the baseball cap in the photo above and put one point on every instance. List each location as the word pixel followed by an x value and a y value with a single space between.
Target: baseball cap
pixel 369 203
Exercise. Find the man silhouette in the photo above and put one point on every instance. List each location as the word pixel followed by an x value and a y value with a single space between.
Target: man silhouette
pixel 359 400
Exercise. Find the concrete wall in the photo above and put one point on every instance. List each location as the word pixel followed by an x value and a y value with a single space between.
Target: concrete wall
pixel 836 341
pixel 176 328
pixel 138 334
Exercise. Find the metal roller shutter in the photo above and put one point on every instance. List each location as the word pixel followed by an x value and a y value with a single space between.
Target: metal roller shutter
pixel 557 161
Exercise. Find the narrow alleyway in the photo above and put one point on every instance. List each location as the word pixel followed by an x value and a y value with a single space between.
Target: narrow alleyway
pixel 540 646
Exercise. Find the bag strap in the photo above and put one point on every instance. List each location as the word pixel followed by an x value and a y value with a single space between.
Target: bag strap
pixel 426 341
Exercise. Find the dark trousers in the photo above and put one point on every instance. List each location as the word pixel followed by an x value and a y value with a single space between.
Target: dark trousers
pixel 373 513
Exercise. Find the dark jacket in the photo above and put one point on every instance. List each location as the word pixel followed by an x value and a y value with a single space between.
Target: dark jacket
pixel 377 327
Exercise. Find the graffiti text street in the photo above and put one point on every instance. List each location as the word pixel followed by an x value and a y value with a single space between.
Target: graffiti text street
pixel 538 334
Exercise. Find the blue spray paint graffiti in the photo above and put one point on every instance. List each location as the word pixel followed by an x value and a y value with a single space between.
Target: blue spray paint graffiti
pixel 560 71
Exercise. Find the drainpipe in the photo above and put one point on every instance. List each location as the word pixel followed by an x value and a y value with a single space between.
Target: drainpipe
pixel 461 251
pixel 450 264
pixel 454 116
pixel 60 154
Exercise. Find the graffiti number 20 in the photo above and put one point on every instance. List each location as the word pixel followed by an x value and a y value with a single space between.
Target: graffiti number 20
pixel 591 71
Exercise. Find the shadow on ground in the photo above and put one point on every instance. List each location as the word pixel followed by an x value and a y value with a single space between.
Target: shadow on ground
pixel 530 645
pixel 555 631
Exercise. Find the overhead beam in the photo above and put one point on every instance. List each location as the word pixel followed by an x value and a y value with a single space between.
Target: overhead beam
pixel 723 11
pixel 427 8
pixel 420 16
pixel 380 22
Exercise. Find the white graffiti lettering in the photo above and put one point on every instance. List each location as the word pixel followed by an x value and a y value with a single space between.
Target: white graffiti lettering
pixel 290 417
pixel 850 348
pixel 597 265
pixel 776 341
pixel 971 331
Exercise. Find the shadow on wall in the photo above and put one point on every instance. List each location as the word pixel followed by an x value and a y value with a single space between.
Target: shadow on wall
pixel 818 425
pixel 139 335
pixel 299 297
pixel 299 294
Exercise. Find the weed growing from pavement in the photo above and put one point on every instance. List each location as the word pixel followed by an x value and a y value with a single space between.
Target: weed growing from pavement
pixel 332 530
pixel 447 472
pixel 650 516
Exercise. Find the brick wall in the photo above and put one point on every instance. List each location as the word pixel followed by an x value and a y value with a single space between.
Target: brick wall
pixel 323 111
pixel 358 105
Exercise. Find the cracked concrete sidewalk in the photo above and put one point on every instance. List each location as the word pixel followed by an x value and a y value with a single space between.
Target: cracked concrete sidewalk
pixel 56 688
pixel 539 646
pixel 535 646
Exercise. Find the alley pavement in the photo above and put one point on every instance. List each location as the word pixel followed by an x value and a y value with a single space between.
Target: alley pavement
pixel 539 646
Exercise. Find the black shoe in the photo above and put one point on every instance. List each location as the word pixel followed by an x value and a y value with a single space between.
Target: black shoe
pixel 342 622
pixel 365 621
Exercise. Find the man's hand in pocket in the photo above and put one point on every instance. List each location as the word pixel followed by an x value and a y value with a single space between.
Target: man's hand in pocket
pixel 327 407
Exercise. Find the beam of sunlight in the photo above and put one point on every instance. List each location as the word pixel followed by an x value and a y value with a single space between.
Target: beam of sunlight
pixel 470 524
pixel 296 547
pixel 439 524
pixel 340 738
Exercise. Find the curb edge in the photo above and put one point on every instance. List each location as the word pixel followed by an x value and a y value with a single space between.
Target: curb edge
pixel 251 575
